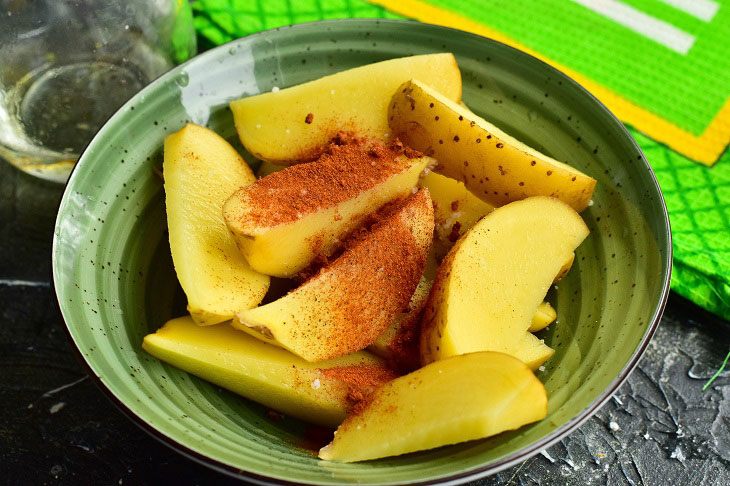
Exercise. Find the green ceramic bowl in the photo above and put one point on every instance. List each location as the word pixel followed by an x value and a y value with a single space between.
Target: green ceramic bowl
pixel 115 282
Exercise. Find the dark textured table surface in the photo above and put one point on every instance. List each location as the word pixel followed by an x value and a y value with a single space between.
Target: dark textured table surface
pixel 56 427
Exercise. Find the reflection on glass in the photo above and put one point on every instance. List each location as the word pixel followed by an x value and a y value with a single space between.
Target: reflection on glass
pixel 66 66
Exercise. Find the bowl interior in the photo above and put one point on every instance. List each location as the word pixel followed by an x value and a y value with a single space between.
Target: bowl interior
pixel 115 280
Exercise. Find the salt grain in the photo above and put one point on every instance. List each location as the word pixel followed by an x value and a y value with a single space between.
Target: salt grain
pixel 613 426
pixel 275 89
pixel 316 384
pixel 57 407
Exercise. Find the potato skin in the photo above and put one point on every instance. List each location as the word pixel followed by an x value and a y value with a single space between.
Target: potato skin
pixel 456 209
pixel 496 167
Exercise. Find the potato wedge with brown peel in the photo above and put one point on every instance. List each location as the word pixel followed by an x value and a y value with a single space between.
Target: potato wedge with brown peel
pixel 292 124
pixel 201 171
pixel 544 315
pixel 458 399
pixel 491 283
pixel 282 222
pixel 345 306
pixel 493 165
pixel 272 376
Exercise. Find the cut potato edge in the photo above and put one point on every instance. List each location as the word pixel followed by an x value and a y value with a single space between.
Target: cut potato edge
pixel 462 398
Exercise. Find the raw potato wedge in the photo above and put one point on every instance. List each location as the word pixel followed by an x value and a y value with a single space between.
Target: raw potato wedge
pixel 294 123
pixel 201 171
pixel 564 269
pixel 455 210
pixel 290 217
pixel 491 283
pixel 266 374
pixel 493 165
pixel 399 342
pixel 544 315
pixel 345 306
pixel 458 399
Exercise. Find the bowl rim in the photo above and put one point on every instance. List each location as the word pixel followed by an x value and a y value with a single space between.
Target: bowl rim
pixel 449 479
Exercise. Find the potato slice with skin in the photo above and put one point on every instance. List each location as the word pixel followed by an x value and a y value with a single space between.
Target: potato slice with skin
pixel 455 210
pixel 452 203
pixel 399 342
pixel 458 399
pixel 544 315
pixel 201 171
pixel 495 166
pixel 490 284
pixel 290 217
pixel 345 306
pixel 564 269
pixel 292 124
pixel 266 374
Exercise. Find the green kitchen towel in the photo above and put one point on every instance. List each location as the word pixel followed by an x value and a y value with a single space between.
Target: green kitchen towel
pixel 662 66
